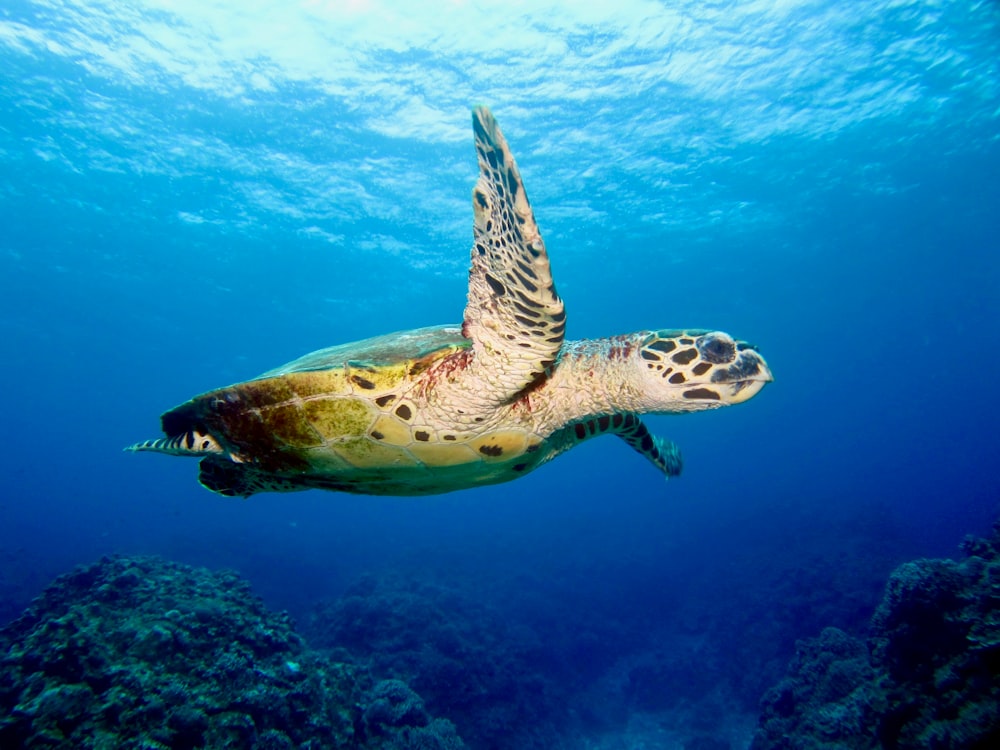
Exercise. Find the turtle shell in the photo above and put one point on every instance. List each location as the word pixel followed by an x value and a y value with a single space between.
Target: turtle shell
pixel 346 418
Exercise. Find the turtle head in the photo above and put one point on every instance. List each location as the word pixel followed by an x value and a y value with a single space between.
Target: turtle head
pixel 693 370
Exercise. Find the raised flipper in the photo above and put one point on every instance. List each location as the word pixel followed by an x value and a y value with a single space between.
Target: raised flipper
pixel 513 315
pixel 662 453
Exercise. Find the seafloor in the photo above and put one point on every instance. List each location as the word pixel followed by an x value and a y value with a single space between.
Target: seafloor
pixel 138 652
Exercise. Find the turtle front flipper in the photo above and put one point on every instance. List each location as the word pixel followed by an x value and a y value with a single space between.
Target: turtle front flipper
pixel 662 453
pixel 513 316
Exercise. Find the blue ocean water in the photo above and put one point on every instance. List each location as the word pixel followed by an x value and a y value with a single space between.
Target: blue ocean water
pixel 195 192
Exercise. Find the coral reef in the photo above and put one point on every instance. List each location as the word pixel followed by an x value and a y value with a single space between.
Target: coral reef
pixel 462 657
pixel 549 659
pixel 141 653
pixel 621 649
pixel 928 676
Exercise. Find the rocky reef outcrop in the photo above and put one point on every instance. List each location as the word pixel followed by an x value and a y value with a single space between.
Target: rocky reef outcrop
pixel 928 675
pixel 142 653
pixel 459 654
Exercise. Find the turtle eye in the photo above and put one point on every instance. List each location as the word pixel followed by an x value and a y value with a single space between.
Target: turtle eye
pixel 716 348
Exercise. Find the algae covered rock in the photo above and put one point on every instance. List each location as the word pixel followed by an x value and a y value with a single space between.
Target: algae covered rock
pixel 928 676
pixel 396 715
pixel 142 653
pixel 465 660
pixel 828 701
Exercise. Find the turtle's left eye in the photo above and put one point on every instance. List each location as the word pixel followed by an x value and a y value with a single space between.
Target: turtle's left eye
pixel 717 348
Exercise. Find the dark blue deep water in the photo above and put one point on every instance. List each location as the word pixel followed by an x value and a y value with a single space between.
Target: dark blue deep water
pixel 194 192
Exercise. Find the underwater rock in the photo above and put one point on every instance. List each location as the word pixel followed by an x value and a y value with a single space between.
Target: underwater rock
pixel 394 704
pixel 142 653
pixel 466 661
pixel 927 677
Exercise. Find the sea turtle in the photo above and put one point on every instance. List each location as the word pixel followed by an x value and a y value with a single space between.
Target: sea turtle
pixel 444 408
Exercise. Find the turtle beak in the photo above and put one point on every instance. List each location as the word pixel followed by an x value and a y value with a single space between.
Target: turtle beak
pixel 747 376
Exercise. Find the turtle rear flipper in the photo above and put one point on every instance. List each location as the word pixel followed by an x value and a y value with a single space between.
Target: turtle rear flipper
pixel 189 443
pixel 241 480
